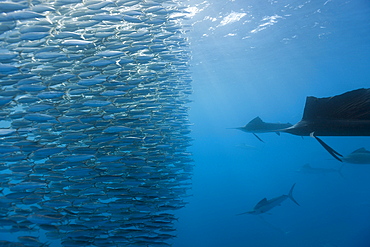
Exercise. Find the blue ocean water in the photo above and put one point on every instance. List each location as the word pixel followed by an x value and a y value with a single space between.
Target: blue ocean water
pixel 249 58
pixel 262 58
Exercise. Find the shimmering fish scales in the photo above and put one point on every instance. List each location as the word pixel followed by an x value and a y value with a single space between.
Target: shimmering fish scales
pixel 43 219
pixel 99 113
pixel 10 6
pixel 5 132
pixel 79 158
pixel 115 129
pixel 74 42
pixel 48 151
pixel 7 69
pixel 39 117
pixel 20 15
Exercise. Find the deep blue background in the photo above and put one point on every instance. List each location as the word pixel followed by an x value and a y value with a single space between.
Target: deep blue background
pixel 265 64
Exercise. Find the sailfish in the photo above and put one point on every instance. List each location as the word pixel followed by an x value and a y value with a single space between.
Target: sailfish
pixel 265 205
pixel 257 125
pixel 347 114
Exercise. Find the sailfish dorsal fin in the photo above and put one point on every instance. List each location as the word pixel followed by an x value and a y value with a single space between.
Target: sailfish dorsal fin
pixel 361 150
pixel 353 105
pixel 255 121
pixel 262 202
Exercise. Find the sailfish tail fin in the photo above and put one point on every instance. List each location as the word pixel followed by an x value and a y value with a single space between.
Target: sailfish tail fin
pixel 290 195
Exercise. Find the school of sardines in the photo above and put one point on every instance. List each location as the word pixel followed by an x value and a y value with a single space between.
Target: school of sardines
pixel 94 132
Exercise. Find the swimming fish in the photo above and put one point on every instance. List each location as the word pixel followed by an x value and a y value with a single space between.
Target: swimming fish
pixel 265 205
pixel 308 169
pixel 359 156
pixel 256 125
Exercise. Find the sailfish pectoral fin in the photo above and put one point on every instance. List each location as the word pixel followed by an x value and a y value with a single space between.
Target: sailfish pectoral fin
pixel 327 147
pixel 331 151
pixel 258 137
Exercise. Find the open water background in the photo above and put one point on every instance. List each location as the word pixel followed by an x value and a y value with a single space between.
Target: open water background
pixel 262 58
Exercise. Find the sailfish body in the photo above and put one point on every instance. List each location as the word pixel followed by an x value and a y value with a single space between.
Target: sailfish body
pixel 265 205
pixel 347 114
pixel 359 156
pixel 257 125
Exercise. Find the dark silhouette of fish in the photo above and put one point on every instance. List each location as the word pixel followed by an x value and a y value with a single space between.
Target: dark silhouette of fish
pixel 265 205
pixel 347 114
pixel 256 125
pixel 308 169
pixel 360 156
